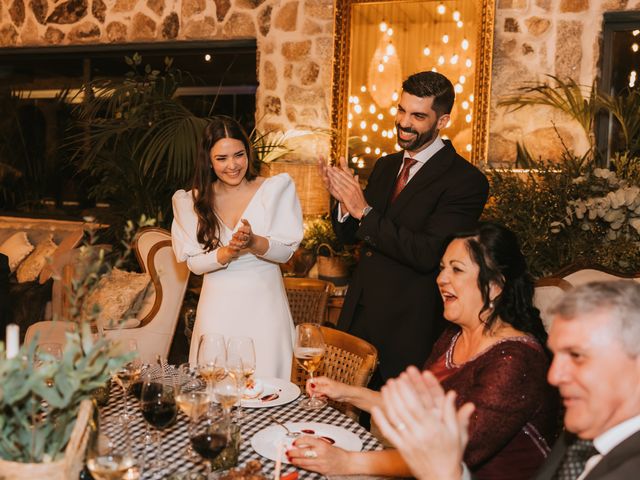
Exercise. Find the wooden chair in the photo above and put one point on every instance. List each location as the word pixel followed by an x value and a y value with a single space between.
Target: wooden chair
pixel 547 291
pixel 347 359
pixel 308 298
pixel 50 332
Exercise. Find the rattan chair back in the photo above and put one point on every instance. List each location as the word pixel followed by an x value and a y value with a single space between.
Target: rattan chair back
pixel 308 298
pixel 347 359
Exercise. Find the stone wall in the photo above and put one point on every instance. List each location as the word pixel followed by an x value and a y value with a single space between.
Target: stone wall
pixel 534 38
pixel 294 38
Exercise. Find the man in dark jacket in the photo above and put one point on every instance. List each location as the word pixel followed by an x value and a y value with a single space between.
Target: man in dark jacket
pixel 413 201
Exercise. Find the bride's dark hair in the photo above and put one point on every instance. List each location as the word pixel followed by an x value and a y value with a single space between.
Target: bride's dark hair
pixel 204 176
pixel 496 251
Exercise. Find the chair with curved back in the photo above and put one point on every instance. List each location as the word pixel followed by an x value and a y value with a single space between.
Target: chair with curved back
pixel 547 291
pixel 50 332
pixel 308 298
pixel 347 359
pixel 157 327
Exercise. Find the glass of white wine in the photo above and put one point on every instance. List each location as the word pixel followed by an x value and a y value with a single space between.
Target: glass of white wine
pixel 194 402
pixel 227 393
pixel 309 349
pixel 107 460
pixel 212 353
pixel 243 349
pixel 126 375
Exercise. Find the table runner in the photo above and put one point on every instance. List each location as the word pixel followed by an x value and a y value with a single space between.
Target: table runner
pixel 176 439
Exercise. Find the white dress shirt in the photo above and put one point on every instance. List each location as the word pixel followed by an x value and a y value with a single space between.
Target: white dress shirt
pixel 609 440
pixel 421 159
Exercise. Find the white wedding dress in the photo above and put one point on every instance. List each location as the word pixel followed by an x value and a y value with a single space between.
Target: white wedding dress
pixel 246 297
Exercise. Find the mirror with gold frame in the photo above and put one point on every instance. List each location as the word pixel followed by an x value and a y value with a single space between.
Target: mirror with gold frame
pixel 379 43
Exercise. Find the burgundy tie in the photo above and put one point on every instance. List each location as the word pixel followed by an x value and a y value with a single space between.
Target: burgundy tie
pixel 403 178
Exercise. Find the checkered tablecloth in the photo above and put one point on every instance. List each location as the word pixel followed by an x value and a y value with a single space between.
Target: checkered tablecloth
pixel 176 439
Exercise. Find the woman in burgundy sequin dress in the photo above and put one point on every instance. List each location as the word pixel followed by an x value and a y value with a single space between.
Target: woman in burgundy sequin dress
pixel 491 355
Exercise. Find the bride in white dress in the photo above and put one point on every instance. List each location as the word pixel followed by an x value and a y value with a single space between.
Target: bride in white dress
pixel 235 228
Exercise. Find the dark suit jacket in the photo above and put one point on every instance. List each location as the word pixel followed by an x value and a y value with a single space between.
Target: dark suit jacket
pixel 621 463
pixel 393 295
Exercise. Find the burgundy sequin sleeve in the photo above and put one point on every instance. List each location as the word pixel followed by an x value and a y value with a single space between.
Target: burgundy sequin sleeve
pixel 505 387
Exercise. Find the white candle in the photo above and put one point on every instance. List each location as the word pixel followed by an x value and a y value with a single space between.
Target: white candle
pixel 13 340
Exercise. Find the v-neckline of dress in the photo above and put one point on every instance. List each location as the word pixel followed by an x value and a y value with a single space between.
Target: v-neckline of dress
pixel 242 215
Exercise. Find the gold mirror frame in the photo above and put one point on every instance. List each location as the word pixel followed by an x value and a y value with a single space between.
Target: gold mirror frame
pixel 341 62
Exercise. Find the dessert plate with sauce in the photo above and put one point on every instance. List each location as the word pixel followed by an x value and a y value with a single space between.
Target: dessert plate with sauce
pixel 270 392
pixel 266 441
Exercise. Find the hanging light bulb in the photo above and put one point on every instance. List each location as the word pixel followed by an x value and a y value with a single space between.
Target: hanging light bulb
pixel 462 79
pixel 456 15
pixel 372 108
pixel 383 26
pixel 363 88
pixel 632 79
pixel 426 51
pixel 374 87
pixel 459 24
pixel 354 159
pixel 356 100
pixel 471 97
pixel 390 50
pixel 377 151
pixel 446 137
pixel 363 124
pixel 465 44
pixel 357 109
pixel 468 118
pixel 384 154
pixel 349 124
pixel 434 69
pixel 364 138
pixel 458 88
pixel 441 9
pixel 635 33
pixel 393 111
pixel 390 32
pixel 468 148
pixel 374 127
pixel 394 96
pixel 350 116
pixel 361 163
pixel 634 47
pixel 380 116
pixel 465 105
pixel 397 148
pixel 441 60
pixel 384 133
pixel 367 150
pixel 385 59
pixel 454 59
pixel 445 38
pixel 468 63
pixel 394 131
pixel 381 67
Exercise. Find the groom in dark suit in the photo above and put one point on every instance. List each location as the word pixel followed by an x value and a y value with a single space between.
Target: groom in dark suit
pixel 413 201
pixel 595 339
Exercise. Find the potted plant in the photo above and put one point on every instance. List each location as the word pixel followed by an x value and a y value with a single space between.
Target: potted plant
pixel 334 259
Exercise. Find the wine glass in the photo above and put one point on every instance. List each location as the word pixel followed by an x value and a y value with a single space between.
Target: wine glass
pixel 126 375
pixel 243 348
pixel 212 353
pixel 193 401
pixel 107 460
pixel 227 392
pixel 209 436
pixel 158 405
pixel 309 350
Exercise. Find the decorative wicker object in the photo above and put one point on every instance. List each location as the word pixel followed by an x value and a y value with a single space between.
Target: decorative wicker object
pixel 308 298
pixel 66 468
pixel 314 198
pixel 347 359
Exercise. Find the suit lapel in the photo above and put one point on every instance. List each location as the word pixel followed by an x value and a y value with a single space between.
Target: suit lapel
pixel 435 167
pixel 380 198
pixel 551 464
pixel 612 460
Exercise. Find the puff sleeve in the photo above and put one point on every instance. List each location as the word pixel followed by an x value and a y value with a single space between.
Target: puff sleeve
pixel 283 222
pixel 184 237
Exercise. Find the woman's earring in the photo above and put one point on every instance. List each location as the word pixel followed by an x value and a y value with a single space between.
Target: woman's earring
pixel 492 305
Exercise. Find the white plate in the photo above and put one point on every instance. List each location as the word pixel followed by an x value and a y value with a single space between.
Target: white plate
pixel 266 441
pixel 286 391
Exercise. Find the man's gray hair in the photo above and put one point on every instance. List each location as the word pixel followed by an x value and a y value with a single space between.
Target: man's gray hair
pixel 620 298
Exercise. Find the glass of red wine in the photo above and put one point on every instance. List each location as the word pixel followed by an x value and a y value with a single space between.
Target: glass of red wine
pixel 158 405
pixel 209 436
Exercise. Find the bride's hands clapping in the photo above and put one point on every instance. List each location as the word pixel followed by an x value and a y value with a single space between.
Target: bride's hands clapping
pixel 243 236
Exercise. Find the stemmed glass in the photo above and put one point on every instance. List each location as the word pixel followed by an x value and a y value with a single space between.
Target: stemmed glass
pixel 192 400
pixel 158 405
pixel 107 460
pixel 227 391
pixel 212 353
pixel 309 349
pixel 209 436
pixel 125 376
pixel 243 349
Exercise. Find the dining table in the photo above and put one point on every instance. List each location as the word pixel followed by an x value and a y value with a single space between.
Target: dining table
pixel 175 438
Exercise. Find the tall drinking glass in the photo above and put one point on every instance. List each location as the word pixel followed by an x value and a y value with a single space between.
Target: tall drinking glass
pixel 209 437
pixel 158 404
pixel 243 349
pixel 126 375
pixel 309 349
pixel 212 353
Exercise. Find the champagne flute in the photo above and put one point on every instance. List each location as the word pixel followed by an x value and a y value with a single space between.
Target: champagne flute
pixel 208 436
pixel 125 376
pixel 211 352
pixel 158 404
pixel 309 350
pixel 107 460
pixel 243 348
